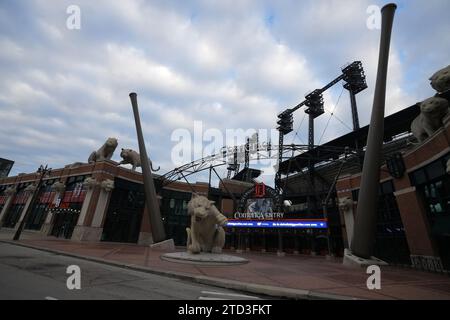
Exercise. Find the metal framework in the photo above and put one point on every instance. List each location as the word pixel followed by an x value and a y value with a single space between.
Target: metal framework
pixel 353 75
pixel 355 82
pixel 233 167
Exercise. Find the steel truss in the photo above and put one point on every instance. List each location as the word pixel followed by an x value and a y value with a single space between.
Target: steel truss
pixel 208 162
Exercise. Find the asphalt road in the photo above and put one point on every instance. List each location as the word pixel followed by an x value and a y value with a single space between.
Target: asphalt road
pixel 31 274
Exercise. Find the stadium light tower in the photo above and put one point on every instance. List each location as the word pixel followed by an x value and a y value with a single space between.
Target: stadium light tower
pixel 314 102
pixel 355 82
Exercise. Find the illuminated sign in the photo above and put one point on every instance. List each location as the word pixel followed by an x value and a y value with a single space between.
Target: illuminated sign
pixel 260 190
pixel 288 223
pixel 259 215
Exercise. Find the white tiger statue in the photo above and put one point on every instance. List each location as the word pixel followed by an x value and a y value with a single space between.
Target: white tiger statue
pixel 130 156
pixel 105 152
pixel 432 111
pixel 206 233
pixel 440 80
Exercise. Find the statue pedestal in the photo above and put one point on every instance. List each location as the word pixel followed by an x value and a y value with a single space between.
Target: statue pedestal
pixel 166 245
pixel 209 259
pixel 351 260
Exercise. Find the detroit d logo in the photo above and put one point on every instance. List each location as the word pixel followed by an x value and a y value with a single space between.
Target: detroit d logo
pixel 260 190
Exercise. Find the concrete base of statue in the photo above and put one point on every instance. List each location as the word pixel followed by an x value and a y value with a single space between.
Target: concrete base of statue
pixel 166 245
pixel 351 260
pixel 210 259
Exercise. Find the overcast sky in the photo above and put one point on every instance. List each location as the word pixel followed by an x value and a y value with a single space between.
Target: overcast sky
pixel 230 64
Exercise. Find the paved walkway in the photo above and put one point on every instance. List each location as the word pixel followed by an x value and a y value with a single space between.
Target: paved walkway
pixel 265 270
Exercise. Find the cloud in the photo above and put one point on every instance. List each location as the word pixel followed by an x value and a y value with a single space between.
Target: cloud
pixel 228 64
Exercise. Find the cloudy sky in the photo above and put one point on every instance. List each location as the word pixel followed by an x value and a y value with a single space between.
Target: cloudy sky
pixel 229 64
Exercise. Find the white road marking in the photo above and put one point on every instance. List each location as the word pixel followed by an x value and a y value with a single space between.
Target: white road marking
pixel 50 298
pixel 210 298
pixel 231 295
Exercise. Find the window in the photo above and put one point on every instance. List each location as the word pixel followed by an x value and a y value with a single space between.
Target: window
pixel 434 188
pixel 390 242
pixel 433 184
pixel 418 177
pixel 13 216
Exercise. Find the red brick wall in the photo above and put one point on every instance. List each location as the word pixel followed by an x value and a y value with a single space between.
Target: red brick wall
pixel 227 207
pixel 412 210
pixel 416 224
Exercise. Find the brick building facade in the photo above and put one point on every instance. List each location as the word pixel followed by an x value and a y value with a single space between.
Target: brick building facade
pixel 80 203
pixel 414 206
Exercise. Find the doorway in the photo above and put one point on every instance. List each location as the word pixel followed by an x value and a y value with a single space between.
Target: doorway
pixel 124 215
pixel 64 222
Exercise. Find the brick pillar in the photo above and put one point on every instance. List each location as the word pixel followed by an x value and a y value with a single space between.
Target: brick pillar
pixel 417 229
pixel 83 230
pixel 85 207
pixel 30 190
pixel 100 210
pixel 346 209
pixel 347 206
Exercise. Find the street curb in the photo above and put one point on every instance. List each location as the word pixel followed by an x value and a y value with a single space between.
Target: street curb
pixel 272 291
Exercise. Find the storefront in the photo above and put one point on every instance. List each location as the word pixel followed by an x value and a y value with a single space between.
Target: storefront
pixel 40 209
pixel 68 206
pixel 413 224
pixel 390 241
pixel 175 215
pixel 433 187
pixel 124 214
pixel 258 226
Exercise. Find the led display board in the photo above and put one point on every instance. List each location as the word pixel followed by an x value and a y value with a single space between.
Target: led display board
pixel 286 223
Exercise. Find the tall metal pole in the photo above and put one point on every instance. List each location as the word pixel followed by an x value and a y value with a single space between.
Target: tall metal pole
pixel 366 215
pixel 311 132
pixel 279 205
pixel 354 110
pixel 312 183
pixel 151 199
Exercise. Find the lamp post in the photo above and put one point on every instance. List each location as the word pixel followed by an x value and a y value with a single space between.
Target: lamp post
pixel 43 171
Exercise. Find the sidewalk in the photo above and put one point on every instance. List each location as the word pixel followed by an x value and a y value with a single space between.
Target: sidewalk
pixel 290 276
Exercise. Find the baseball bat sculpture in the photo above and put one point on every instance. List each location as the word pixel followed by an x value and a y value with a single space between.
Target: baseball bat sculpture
pixel 151 199
pixel 363 241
